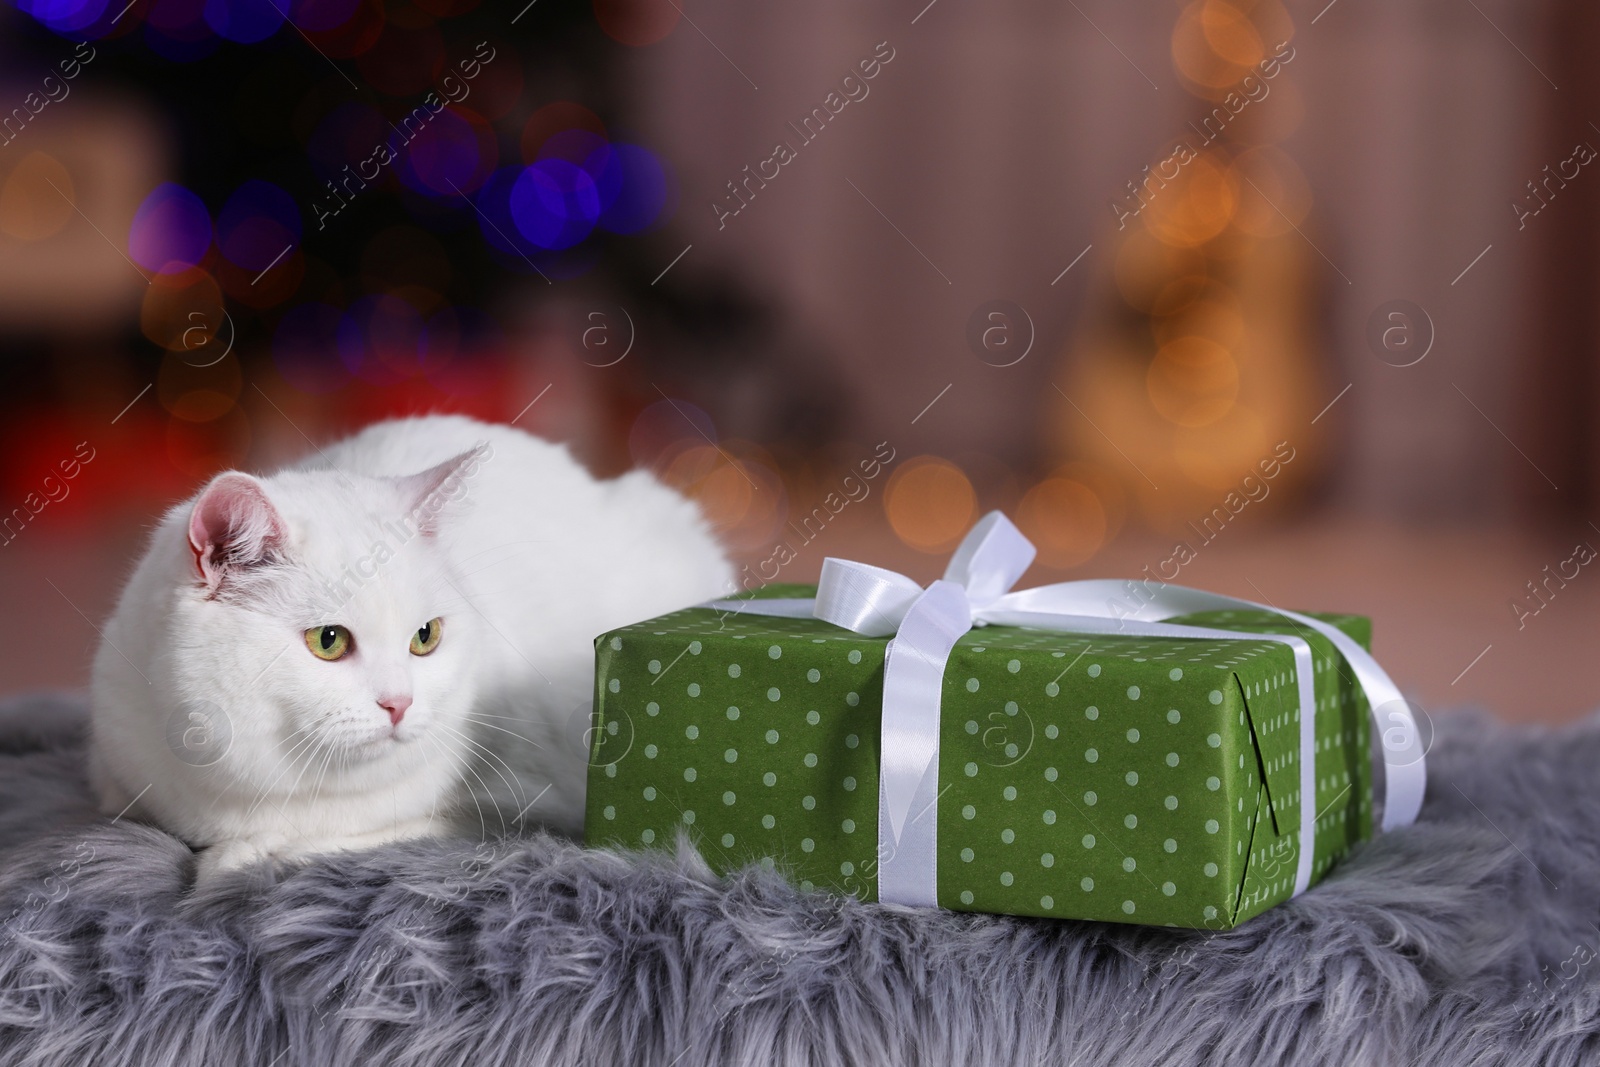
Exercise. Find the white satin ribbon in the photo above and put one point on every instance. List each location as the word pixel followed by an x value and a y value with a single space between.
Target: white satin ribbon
pixel 975 591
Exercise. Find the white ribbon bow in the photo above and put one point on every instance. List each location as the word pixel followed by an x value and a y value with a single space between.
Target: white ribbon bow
pixel 975 591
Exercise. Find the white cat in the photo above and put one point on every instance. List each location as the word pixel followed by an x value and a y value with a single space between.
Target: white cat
pixel 357 649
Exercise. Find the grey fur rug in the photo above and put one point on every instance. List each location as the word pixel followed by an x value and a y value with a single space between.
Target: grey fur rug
pixel 1465 940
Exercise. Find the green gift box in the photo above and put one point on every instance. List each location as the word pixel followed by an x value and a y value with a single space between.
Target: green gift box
pixel 1137 779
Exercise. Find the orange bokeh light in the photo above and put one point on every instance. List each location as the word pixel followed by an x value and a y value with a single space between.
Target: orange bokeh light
pixel 1065 519
pixel 1231 34
pixel 181 310
pixel 740 496
pixel 930 503
pixel 1197 206
pixel 1193 381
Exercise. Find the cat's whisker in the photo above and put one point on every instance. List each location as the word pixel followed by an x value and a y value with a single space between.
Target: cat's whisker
pixel 512 783
pixel 488 793
pixel 433 810
pixel 333 753
pixel 483 821
pixel 322 742
pixel 491 726
pixel 502 718
pixel 291 757
pixel 473 742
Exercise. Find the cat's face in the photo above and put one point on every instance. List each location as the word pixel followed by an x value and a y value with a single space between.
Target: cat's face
pixel 322 614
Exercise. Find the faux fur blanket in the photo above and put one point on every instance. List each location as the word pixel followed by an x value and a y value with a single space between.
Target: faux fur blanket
pixel 1468 939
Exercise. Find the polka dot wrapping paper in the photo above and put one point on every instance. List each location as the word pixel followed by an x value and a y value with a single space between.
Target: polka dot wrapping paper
pixel 1124 779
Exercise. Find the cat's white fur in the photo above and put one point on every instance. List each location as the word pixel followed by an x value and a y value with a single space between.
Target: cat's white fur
pixel 213 719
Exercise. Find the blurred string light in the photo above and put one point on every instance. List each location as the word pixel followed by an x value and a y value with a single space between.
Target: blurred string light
pixel 1209 364
pixel 578 182
pixel 257 229
pixel 258 225
pixel 213 254
pixel 735 482
pixel 70 18
pixel 187 30
pixel 930 503
pixel 171 231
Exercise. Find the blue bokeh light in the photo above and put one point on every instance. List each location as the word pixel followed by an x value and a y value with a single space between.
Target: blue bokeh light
pixel 555 203
pixel 171 231
pixel 257 224
pixel 635 187
pixel 73 18
pixel 244 21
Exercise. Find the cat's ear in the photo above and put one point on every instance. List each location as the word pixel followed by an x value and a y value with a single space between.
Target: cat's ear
pixel 428 494
pixel 233 526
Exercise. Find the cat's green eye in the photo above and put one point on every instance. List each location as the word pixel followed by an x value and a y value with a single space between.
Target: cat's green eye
pixel 329 642
pixel 426 639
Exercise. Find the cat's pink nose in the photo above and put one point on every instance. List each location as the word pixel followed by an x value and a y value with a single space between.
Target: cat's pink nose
pixel 396 707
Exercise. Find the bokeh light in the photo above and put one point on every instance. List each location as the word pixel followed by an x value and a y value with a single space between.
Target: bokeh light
pixel 1197 205
pixel 1218 455
pixel 258 225
pixel 499 228
pixel 1231 34
pixel 70 17
pixel 181 312
pixel 737 488
pixel 635 189
pixel 171 231
pixel 36 199
pixel 1193 381
pixel 554 203
pixel 1065 519
pixel 244 21
pixel 930 503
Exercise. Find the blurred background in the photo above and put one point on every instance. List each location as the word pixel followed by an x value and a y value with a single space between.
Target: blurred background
pixel 1294 301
